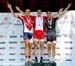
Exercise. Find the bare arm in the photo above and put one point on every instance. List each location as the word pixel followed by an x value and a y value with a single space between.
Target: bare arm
pixel 18 9
pixel 69 5
pixel 10 8
pixel 61 11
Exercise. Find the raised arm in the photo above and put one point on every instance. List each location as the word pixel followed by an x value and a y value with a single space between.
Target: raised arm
pixel 69 5
pixel 10 8
pixel 62 11
pixel 19 10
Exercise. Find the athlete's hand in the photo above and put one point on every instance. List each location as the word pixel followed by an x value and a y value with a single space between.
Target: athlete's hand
pixel 69 4
pixel 17 8
pixel 9 5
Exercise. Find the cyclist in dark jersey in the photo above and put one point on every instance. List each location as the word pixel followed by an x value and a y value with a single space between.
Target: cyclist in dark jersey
pixel 51 32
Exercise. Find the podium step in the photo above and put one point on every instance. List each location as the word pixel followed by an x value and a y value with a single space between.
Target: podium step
pixel 36 64
pixel 28 64
pixel 49 64
pixel 44 64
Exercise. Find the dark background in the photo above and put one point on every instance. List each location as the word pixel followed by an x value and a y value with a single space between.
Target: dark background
pixel 44 5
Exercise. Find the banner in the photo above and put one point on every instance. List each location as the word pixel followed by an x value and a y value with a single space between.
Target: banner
pixel 11 41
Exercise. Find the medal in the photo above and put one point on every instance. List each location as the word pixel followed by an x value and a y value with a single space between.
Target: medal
pixel 50 22
pixel 50 27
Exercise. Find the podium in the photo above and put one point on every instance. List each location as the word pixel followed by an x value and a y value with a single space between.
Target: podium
pixel 40 64
pixel 49 64
pixel 28 64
